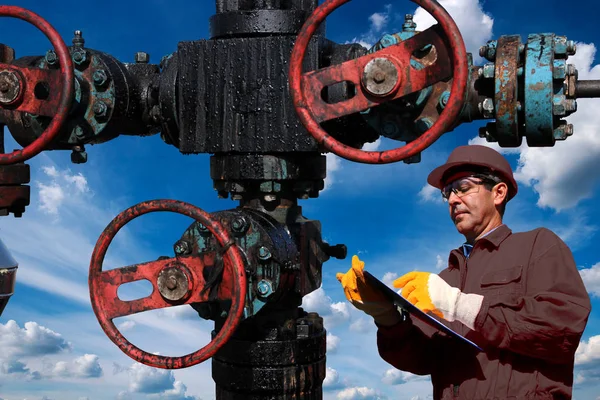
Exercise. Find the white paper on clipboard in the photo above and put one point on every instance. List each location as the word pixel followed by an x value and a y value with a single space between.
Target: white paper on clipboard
pixel 401 302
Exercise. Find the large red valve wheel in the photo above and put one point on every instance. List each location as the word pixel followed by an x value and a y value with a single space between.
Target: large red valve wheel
pixel 27 78
pixel 104 284
pixel 312 109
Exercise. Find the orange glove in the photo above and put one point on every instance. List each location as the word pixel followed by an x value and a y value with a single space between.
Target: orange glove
pixel 365 297
pixel 430 293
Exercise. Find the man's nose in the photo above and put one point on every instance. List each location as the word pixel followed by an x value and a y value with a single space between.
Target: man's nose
pixel 454 199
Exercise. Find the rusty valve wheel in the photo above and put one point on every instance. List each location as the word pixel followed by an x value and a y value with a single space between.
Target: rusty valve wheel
pixel 380 77
pixel 175 281
pixel 31 89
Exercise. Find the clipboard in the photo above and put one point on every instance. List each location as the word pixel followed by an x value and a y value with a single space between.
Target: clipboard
pixel 407 306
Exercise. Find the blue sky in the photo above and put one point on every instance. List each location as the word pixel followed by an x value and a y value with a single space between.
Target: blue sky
pixel 51 346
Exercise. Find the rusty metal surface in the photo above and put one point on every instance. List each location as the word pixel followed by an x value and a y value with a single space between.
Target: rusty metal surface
pixel 305 89
pixel 62 82
pixel 104 284
pixel 507 91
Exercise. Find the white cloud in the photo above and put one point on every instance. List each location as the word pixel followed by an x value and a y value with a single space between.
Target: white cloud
pixel 333 313
pixel 332 379
pixel 332 343
pixel 126 325
pixel 63 184
pixel 32 340
pixel 591 279
pixel 565 187
pixel 156 383
pixel 86 366
pixel 362 393
pixel 430 194
pixel 440 263
pixel 389 278
pixel 588 352
pixel 379 22
pixel 333 165
pixel 474 25
pixel 394 376
pixel 362 325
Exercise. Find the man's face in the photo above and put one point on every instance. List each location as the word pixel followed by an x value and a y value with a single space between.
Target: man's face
pixel 471 205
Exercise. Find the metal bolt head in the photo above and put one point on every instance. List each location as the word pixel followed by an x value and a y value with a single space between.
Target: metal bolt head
pixel 264 287
pixel 444 99
pixel 100 109
pixel 380 77
pixel 79 57
pixel 239 224
pixel 51 57
pixel 264 253
pixel 570 105
pixel 488 108
pixel 571 48
pixel 489 70
pixel 173 283
pixel 483 51
pixel 10 87
pixel 78 132
pixel 142 57
pixel 100 78
pixel 182 247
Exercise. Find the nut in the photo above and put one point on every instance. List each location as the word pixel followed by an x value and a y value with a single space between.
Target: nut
pixel 489 70
pixel 100 78
pixel 487 108
pixel 380 77
pixel 142 57
pixel 10 87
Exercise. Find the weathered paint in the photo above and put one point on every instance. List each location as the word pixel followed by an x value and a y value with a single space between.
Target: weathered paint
pixel 539 57
pixel 507 91
pixel 56 107
pixel 104 284
pixel 311 109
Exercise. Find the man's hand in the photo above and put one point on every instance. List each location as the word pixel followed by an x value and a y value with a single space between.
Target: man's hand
pixel 430 293
pixel 365 297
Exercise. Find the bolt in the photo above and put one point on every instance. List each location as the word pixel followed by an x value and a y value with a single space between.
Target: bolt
pixel 569 129
pixel 270 198
pixel 51 57
pixel 142 57
pixel 379 77
pixel 423 124
pixel 387 40
pixel 238 224
pixel 171 282
pixel 79 57
pixel 10 88
pixel 444 99
pixel 571 48
pixel 78 132
pixel 182 247
pixel 264 253
pixel 489 70
pixel 570 105
pixel 409 25
pixel 571 70
pixel 264 287
pixel 100 109
pixel 487 108
pixel 480 72
pixel 78 39
pixel 100 77
pixel 483 51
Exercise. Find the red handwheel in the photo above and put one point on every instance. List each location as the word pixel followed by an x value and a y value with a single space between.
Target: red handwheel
pixel 175 281
pixel 20 84
pixel 380 77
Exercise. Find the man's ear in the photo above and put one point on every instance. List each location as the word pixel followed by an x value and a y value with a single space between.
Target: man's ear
pixel 500 193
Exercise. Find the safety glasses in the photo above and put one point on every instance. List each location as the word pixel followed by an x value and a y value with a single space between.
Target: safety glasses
pixel 467 185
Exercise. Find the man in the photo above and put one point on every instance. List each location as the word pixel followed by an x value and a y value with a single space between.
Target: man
pixel 518 296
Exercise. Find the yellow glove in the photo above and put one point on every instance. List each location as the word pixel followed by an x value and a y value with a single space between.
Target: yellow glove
pixel 365 297
pixel 430 293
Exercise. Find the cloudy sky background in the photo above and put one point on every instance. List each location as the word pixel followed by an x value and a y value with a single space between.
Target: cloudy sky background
pixel 51 346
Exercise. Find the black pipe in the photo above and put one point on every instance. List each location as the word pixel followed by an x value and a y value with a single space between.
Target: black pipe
pixel 587 89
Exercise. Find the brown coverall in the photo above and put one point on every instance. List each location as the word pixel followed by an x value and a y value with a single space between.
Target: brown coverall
pixel 534 312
